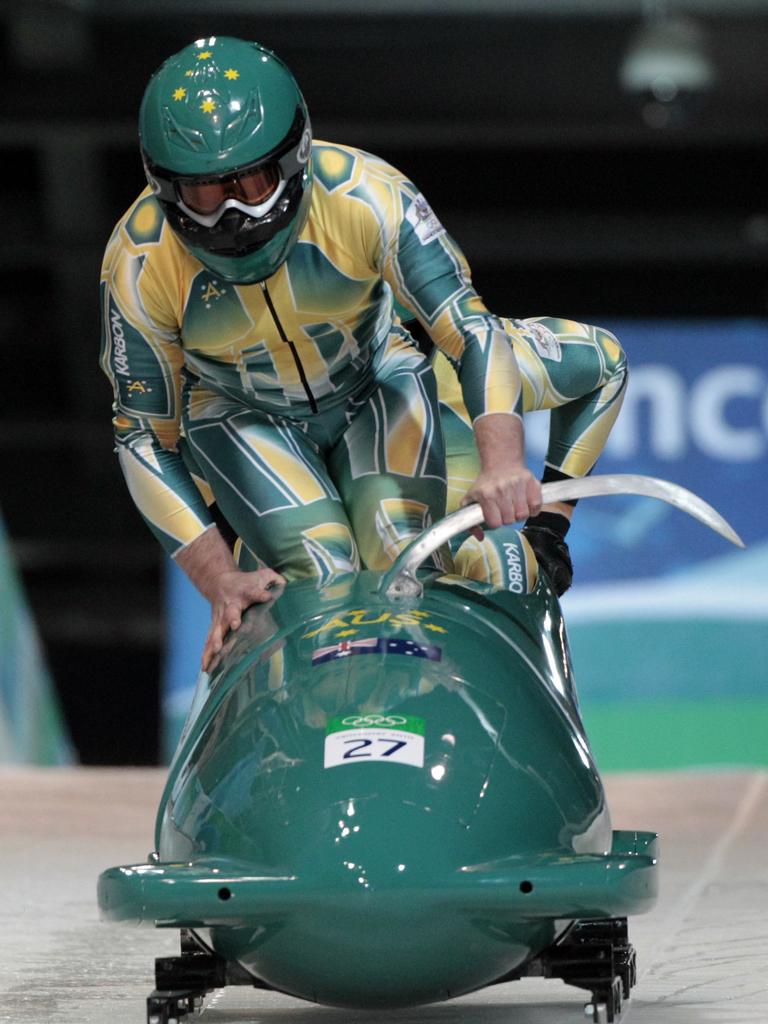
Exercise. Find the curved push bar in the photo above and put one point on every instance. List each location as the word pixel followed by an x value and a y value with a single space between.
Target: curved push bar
pixel 401 581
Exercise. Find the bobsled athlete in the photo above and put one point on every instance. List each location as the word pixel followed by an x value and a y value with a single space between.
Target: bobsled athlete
pixel 256 359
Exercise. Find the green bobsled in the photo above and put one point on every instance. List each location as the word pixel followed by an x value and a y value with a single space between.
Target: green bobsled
pixel 382 799
pixel 384 796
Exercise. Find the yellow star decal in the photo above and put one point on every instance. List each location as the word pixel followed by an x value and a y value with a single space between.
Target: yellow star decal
pixel 231 74
pixel 346 632
pixel 435 629
pixel 208 106
pixel 205 55
pixel 179 94
pixel 188 74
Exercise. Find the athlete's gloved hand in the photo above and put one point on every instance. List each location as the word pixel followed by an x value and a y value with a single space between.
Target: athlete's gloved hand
pixel 551 552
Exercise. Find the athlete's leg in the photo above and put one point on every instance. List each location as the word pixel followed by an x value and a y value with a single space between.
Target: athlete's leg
pixel 580 373
pixel 577 371
pixel 503 558
pixel 271 484
pixel 389 465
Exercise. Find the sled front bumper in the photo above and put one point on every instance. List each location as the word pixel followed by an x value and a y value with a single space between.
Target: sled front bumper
pixel 205 894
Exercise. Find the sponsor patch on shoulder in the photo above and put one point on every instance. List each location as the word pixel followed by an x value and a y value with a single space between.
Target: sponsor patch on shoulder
pixel 423 220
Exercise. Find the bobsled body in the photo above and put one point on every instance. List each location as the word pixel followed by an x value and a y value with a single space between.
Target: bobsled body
pixel 383 802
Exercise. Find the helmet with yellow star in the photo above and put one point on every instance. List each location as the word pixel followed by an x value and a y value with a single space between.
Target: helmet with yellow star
pixel 226 144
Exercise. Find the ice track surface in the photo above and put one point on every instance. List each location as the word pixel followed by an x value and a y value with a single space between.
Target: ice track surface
pixel 702 954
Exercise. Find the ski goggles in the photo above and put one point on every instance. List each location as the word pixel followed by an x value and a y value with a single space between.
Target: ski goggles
pixel 252 188
pixel 255 193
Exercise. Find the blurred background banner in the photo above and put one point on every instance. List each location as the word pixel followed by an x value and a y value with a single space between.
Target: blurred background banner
pixel 668 623
pixel 696 412
pixel 31 729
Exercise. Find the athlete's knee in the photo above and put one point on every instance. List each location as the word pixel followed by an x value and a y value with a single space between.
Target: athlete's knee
pixel 614 356
pixel 611 357
pixel 398 520
pixel 503 558
pixel 324 551
pixel 386 517
pixel 321 552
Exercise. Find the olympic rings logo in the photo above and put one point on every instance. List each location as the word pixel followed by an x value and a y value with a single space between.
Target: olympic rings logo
pixel 361 721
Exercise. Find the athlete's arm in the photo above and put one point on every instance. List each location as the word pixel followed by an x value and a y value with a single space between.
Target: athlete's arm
pixel 142 357
pixel 429 275
pixel 505 488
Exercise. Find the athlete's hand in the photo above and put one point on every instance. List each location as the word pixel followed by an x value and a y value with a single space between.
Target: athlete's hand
pixel 230 593
pixel 505 488
pixel 209 564
pixel 505 494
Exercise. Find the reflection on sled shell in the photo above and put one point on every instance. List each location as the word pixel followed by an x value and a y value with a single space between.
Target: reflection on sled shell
pixel 373 882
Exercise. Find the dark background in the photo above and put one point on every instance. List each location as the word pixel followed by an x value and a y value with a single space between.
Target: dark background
pixel 509 116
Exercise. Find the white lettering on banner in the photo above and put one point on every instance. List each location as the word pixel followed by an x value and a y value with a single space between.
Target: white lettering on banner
pixel 693 416
pixel 709 427
pixel 663 389
pixel 118 343
pixel 669 417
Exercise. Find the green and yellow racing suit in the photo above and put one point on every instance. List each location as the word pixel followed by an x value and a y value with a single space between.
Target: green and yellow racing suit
pixel 300 404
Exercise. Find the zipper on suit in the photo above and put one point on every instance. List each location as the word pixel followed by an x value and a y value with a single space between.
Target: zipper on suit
pixel 289 343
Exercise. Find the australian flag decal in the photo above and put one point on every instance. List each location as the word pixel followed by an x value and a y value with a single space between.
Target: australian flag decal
pixel 377 645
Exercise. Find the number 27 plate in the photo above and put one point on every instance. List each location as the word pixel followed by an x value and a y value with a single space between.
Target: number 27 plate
pixel 383 745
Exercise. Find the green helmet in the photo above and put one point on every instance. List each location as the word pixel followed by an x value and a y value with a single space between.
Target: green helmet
pixel 226 143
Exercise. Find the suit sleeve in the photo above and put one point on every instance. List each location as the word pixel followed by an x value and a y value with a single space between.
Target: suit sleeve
pixel 142 357
pixel 429 274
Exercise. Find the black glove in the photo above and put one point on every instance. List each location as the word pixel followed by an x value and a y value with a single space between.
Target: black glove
pixel 551 552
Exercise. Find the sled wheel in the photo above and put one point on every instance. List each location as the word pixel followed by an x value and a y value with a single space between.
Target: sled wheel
pixel 618 994
pixel 597 1012
pixel 606 1004
pixel 172 1007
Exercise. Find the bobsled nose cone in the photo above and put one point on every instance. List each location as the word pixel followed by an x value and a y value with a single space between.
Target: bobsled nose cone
pixel 375 920
pixel 375 843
